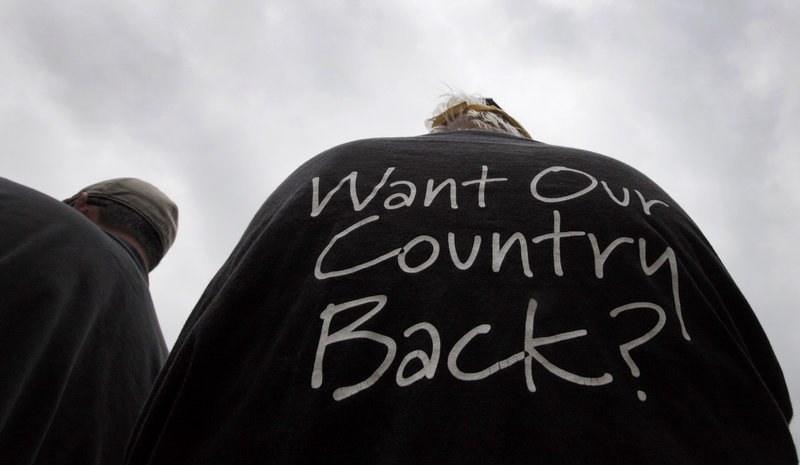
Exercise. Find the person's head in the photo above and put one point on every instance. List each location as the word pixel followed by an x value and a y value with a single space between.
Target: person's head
pixel 461 111
pixel 134 210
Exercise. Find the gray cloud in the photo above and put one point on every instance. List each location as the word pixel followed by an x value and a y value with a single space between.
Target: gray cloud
pixel 216 102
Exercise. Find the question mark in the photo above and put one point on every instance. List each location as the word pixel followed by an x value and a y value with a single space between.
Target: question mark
pixel 625 349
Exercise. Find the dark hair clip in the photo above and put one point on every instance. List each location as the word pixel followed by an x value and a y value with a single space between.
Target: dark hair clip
pixel 491 103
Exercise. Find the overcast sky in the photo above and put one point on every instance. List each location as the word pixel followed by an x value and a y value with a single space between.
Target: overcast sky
pixel 216 102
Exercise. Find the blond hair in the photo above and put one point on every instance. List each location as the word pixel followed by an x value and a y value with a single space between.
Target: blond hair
pixel 463 111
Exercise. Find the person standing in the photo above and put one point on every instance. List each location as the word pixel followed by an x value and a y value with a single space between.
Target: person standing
pixel 80 344
pixel 469 296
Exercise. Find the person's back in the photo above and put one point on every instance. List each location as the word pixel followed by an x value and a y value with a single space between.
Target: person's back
pixel 79 341
pixel 469 297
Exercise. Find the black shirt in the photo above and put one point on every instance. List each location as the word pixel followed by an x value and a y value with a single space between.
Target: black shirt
pixel 469 297
pixel 79 341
